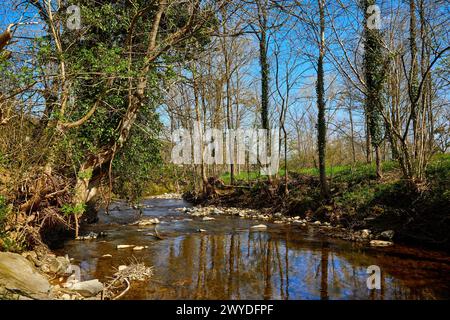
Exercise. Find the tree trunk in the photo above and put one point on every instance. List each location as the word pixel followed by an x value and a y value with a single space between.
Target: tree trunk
pixel 414 82
pixel 321 121
pixel 352 134
pixel 378 162
pixel 374 75
pixel 264 65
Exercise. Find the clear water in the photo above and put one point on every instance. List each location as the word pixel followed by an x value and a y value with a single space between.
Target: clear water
pixel 231 262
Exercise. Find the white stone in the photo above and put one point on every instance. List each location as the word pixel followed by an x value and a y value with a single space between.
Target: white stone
pixel 381 243
pixel 20 275
pixel 125 246
pixel 148 222
pixel 388 234
pixel 259 227
pixel 217 211
pixel 365 233
pixel 88 288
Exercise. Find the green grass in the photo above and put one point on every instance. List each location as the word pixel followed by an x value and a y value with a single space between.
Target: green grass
pixel 439 167
pixel 343 172
pixel 252 175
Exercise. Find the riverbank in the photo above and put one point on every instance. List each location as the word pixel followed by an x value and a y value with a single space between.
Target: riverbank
pixel 389 209
pixel 236 253
pixel 376 239
pixel 218 252
pixel 42 275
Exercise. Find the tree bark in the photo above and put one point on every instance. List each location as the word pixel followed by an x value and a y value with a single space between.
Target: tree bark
pixel 321 121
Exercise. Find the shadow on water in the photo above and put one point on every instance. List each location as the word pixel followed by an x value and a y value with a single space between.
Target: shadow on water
pixel 230 262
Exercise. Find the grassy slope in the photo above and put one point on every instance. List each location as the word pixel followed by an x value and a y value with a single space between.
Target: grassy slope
pixel 360 201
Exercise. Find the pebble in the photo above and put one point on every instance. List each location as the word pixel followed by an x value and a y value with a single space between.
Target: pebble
pixel 388 234
pixel 88 288
pixel 365 233
pixel 89 236
pixel 123 267
pixel 217 211
pixel 125 246
pixel 148 222
pixel 381 243
pixel 259 227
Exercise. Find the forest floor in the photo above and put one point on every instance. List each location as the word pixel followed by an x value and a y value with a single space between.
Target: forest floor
pixel 358 200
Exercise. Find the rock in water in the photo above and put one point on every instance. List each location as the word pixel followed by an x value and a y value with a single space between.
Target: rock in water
pixel 87 288
pixel 388 234
pixel 122 267
pixel 125 246
pixel 365 233
pixel 259 227
pixel 208 219
pixel 59 265
pixel 148 222
pixel 89 236
pixel 18 275
pixel 381 243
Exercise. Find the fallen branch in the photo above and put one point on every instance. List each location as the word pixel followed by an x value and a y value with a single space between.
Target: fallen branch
pixel 235 187
pixel 125 291
pixel 157 235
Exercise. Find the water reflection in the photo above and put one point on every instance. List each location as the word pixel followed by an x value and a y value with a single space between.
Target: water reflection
pixel 229 262
pixel 259 265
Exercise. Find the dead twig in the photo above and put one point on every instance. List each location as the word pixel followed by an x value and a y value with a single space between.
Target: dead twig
pixel 125 291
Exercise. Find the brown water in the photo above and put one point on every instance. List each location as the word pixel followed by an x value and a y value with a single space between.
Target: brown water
pixel 230 262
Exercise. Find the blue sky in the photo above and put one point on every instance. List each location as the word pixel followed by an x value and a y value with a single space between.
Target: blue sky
pixel 298 46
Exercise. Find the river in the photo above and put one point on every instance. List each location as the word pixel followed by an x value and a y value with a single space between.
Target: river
pixel 229 261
